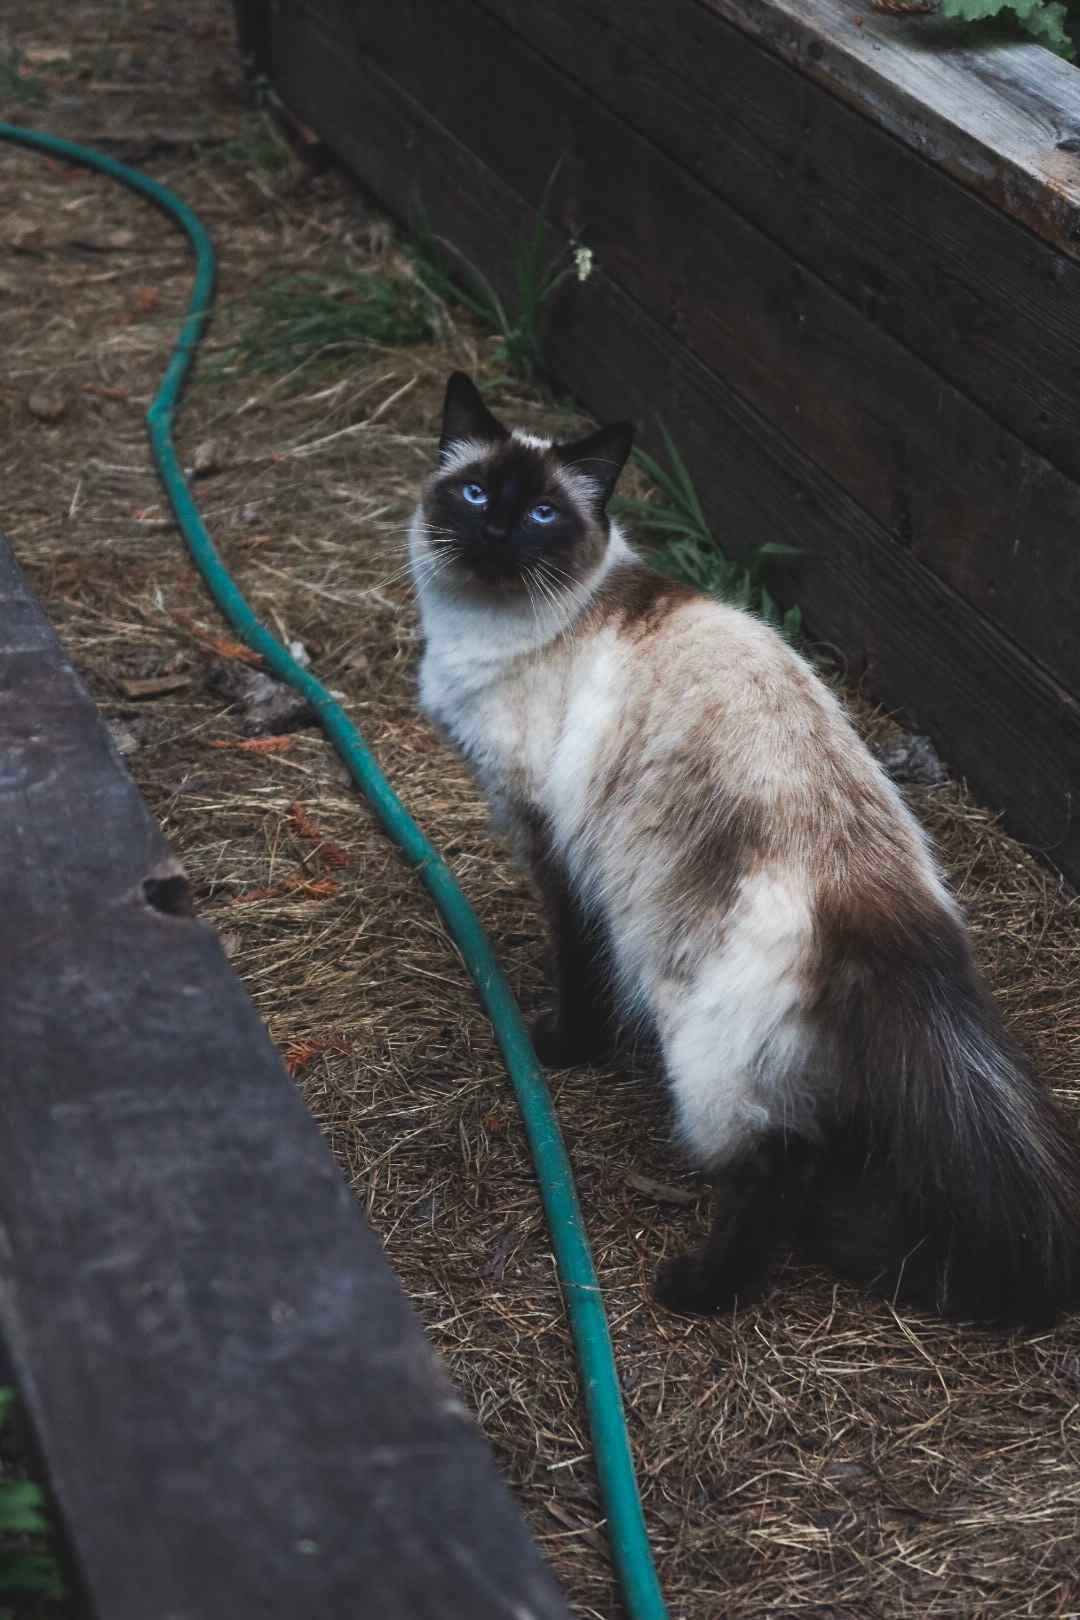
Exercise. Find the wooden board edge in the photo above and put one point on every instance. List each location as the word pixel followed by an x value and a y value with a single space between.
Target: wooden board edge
pixel 992 113
pixel 227 1385
pixel 989 305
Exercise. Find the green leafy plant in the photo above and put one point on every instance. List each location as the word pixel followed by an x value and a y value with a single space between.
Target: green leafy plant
pixel 1050 22
pixel 539 270
pixel 687 548
pixel 259 145
pixel 26 1565
pixel 300 315
pixel 17 83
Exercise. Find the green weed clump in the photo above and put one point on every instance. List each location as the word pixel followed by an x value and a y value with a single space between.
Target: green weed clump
pixel 689 550
pixel 302 315
pixel 539 270
pixel 26 1564
pixel 258 146
pixel 1050 22
pixel 17 83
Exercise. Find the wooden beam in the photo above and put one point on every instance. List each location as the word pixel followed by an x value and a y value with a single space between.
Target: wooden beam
pixel 990 306
pixel 997 112
pixel 1000 718
pixel 239 1414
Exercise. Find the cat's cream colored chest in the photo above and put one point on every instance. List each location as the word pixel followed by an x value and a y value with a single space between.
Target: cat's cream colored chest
pixel 508 728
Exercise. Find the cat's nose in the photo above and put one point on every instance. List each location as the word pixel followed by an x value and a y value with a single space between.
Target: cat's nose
pixel 496 531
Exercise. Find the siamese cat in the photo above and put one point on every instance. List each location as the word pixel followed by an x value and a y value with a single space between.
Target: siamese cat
pixel 725 865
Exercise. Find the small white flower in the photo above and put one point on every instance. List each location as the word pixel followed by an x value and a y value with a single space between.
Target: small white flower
pixel 583 263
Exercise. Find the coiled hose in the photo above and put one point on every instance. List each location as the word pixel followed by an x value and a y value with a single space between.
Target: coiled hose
pixel 614 1465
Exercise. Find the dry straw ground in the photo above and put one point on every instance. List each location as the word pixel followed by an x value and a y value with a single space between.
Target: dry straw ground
pixel 818 1455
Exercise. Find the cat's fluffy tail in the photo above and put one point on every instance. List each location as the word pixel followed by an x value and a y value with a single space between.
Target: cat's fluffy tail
pixel 956 1185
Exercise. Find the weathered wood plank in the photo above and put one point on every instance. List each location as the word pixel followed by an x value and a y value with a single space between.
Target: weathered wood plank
pixel 985 302
pixel 993 114
pixel 239 1413
pixel 972 502
pixel 926 652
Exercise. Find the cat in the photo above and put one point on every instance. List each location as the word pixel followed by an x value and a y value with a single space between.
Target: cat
pixel 724 864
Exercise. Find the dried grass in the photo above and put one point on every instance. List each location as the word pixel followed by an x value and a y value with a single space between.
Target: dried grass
pixel 817 1456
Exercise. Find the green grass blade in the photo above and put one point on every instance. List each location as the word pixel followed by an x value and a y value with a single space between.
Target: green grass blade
pixel 21 1505
pixel 659 475
pixel 777 548
pixel 685 482
pixel 660 521
pixel 30 1572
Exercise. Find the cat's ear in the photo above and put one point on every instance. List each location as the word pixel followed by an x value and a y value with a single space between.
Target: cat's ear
pixel 465 416
pixel 600 458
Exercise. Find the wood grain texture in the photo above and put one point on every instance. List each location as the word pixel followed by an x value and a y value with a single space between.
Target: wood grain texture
pixel 997 716
pixel 971 501
pixel 992 307
pixel 239 1414
pixel 991 111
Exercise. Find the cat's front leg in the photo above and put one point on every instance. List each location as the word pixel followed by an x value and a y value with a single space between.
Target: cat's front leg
pixel 580 1028
pixel 760 1207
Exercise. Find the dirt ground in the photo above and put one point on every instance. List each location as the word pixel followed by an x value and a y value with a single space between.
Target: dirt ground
pixel 817 1456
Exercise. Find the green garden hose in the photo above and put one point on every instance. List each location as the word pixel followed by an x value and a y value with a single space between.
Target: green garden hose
pixel 614 1464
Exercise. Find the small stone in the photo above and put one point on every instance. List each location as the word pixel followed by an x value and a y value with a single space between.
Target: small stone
pixel 24 234
pixel 660 1191
pixel 299 652
pixel 207 459
pixel 266 707
pixel 46 55
pixel 153 686
pixel 47 404
pixel 913 759
pixel 358 660
pixel 124 741
pixel 103 241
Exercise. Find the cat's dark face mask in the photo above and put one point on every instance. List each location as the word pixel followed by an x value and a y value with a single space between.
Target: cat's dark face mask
pixel 511 511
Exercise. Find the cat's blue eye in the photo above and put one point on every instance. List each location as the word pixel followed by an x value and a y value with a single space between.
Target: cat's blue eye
pixel 544 513
pixel 475 494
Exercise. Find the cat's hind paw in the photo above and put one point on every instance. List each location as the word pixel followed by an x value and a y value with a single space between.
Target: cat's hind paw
pixel 692 1285
pixel 560 1048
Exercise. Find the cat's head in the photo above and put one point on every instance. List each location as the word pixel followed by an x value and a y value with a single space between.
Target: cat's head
pixel 503 507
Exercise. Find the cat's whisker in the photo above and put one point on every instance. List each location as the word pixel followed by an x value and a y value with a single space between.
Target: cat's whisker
pixel 405 531
pixel 404 572
pixel 551 600
pixel 559 575
pixel 554 569
pixel 421 570
pixel 430 570
pixel 560 600
pixel 532 601
pixel 533 577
